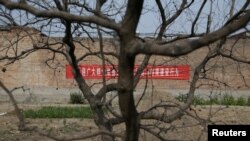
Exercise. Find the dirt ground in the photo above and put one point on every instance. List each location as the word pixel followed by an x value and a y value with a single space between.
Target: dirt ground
pixel 188 128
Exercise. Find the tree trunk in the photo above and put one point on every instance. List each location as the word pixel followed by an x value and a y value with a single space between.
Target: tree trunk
pixel 18 112
pixel 126 99
pixel 99 115
pixel 101 121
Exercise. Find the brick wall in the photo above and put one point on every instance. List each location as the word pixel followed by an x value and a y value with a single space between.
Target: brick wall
pixel 34 71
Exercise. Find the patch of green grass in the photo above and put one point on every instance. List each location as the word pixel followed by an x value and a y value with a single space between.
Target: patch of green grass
pixel 59 112
pixel 215 100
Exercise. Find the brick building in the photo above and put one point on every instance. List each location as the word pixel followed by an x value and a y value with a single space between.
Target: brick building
pixel 46 70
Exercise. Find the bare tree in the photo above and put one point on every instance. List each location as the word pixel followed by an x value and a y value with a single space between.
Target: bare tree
pixel 78 17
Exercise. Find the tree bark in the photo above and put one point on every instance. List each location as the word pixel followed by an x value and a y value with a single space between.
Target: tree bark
pixel 18 112
pixel 95 103
pixel 126 99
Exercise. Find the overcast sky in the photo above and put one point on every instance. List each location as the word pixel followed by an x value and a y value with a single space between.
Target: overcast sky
pixel 150 20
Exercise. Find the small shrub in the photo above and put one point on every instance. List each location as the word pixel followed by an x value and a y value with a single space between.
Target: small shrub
pixel 241 101
pixel 199 101
pixel 214 100
pixel 228 100
pixel 76 98
pixel 182 98
pixel 248 101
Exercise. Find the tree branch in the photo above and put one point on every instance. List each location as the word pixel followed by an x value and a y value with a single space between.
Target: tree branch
pixel 143 65
pixel 183 47
pixel 108 23
pixel 106 89
pixel 17 109
pixel 197 17
pixel 132 16
pixel 154 114
pixel 78 137
pixel 165 22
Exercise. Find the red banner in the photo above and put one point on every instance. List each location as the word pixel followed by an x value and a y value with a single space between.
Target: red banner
pixel 180 72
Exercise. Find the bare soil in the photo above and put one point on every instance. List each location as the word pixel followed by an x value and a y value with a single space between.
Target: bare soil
pixel 186 128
